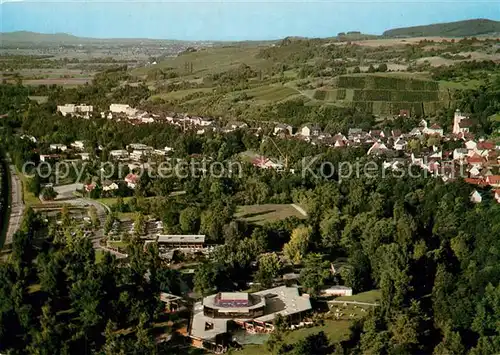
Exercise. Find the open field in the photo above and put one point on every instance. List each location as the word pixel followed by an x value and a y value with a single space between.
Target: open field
pixel 390 42
pixel 71 82
pixel 261 214
pixel 335 330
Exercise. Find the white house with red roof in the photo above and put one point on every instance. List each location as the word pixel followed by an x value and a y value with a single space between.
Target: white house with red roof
pixel 377 148
pixel 493 180
pixel 132 180
pixel 434 130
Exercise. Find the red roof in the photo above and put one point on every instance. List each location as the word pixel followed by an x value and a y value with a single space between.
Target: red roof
pixel 132 178
pixel 476 181
pixel 475 159
pixel 465 123
pixel 485 145
pixel 435 126
pixel 493 179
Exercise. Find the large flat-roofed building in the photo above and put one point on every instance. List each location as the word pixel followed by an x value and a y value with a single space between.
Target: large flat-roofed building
pixel 77 110
pixel 181 241
pixel 216 315
pixel 234 305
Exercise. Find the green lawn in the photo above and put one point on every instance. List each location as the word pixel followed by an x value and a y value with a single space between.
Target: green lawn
pixel 372 296
pixel 99 255
pixel 335 330
pixel 261 214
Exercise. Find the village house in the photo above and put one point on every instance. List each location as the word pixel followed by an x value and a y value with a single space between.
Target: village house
pixel 459 154
pixel 400 144
pixel 461 124
pixel 31 138
pixel 283 129
pixel 309 130
pixel 78 145
pixel 475 160
pixel 355 134
pixel 49 157
pixel 493 180
pixel 84 156
pixel 118 153
pixel 376 134
pixel 108 185
pixel 132 180
pixel 434 130
pixel 139 146
pixel 60 147
pixel 378 148
pixel 232 126
pixel 470 145
pixel 396 133
pixel 89 187
pixel 475 197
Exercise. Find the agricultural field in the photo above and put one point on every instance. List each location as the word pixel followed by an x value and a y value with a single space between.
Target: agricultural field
pixel 260 214
pixel 271 93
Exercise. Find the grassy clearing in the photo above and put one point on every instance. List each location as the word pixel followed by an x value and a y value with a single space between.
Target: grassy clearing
pixel 261 214
pixel 372 296
pixel 460 85
pixel 28 197
pixel 335 330
pixel 99 255
pixel 39 99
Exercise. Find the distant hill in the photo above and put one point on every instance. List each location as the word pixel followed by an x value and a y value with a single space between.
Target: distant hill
pixel 451 29
pixel 26 37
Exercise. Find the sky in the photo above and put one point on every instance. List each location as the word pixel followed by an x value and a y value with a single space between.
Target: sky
pixel 231 20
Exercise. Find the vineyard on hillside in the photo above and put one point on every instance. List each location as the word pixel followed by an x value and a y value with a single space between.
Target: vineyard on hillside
pixel 386 95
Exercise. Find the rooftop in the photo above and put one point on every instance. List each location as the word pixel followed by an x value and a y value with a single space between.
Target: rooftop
pixel 181 238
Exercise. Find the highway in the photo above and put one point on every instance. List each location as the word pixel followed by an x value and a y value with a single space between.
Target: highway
pixel 16 204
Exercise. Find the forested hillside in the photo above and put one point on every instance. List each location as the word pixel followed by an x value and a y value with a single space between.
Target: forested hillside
pixel 452 29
